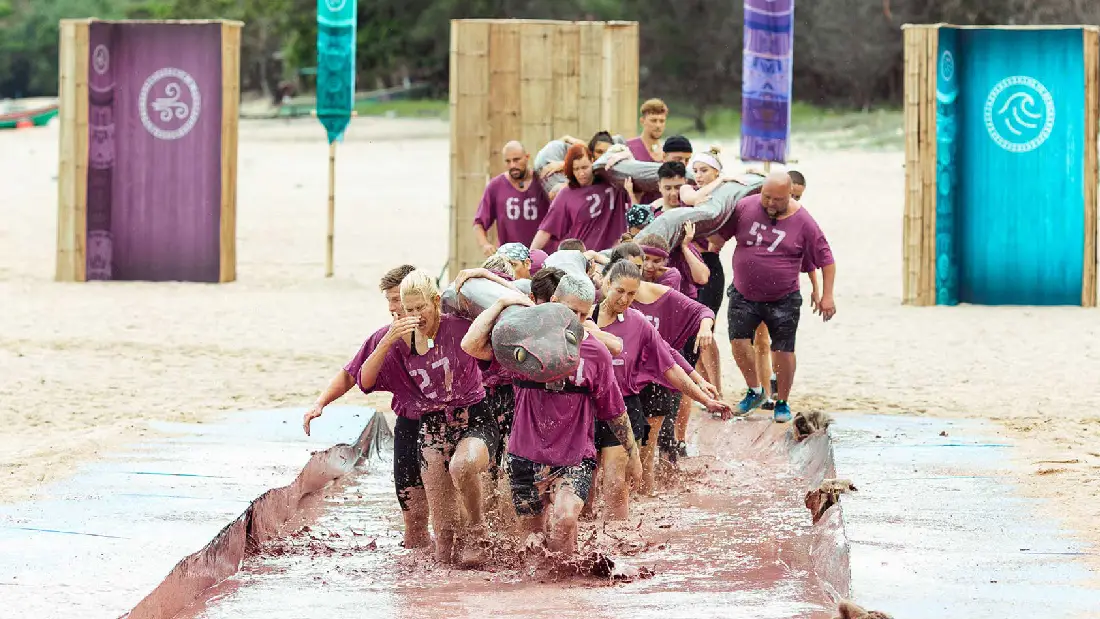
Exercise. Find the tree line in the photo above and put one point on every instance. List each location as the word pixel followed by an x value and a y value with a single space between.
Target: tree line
pixel 848 53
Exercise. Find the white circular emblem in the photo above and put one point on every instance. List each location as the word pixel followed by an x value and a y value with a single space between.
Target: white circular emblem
pixel 335 5
pixel 1014 117
pixel 947 66
pixel 101 59
pixel 173 115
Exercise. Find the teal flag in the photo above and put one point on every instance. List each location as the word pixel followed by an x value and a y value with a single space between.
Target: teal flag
pixel 335 65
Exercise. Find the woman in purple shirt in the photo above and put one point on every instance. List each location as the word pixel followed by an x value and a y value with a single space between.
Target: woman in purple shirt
pixel 588 209
pixel 645 359
pixel 432 379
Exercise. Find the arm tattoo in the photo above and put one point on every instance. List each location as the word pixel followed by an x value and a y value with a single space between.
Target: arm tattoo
pixel 621 427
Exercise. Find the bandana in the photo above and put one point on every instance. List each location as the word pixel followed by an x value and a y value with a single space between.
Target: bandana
pixel 708 159
pixel 655 251
pixel 515 251
pixel 538 257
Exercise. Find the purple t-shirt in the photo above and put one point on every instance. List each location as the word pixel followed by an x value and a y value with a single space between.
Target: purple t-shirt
pixel 677 261
pixel 595 214
pixel 558 429
pixel 769 257
pixel 671 278
pixel 517 214
pixel 391 377
pixel 641 153
pixel 675 316
pixel 645 357
pixel 443 379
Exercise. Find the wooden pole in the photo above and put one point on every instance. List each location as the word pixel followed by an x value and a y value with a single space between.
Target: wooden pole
pixel 767 167
pixel 331 207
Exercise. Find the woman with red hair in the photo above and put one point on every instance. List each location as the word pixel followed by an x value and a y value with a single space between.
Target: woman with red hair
pixel 588 208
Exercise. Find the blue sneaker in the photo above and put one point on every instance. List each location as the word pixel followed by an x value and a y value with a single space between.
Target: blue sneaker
pixel 751 400
pixel 782 412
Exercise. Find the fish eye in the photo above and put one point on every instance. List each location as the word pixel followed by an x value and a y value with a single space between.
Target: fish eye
pixel 520 353
pixel 571 337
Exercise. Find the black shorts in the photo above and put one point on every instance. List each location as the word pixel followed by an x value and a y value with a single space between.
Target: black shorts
pixel 442 432
pixel 533 483
pixel 781 318
pixel 710 293
pixel 501 402
pixel 634 409
pixel 689 353
pixel 406 459
pixel 659 401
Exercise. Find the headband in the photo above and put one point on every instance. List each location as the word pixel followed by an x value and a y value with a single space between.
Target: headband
pixel 655 251
pixel 708 159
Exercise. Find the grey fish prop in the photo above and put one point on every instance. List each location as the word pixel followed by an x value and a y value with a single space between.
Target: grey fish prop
pixel 554 152
pixel 642 173
pixel 540 343
pixel 709 216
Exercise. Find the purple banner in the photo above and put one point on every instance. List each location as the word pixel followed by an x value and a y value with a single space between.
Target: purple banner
pixel 101 151
pixel 768 65
pixel 165 190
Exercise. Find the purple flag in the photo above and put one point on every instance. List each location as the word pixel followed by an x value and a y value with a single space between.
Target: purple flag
pixel 768 63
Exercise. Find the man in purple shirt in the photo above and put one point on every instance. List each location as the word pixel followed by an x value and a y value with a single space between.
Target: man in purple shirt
pixel 514 201
pixel 777 239
pixel 551 452
pixel 647 146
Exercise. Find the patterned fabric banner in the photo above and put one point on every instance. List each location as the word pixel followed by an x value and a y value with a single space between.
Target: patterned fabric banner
pixel 766 80
pixel 335 65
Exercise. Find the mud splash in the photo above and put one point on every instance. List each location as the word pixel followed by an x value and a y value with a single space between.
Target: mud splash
pixel 732 533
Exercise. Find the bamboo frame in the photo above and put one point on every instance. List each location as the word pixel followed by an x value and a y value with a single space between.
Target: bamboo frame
pixel 1092 166
pixel 72 179
pixel 72 185
pixel 919 225
pixel 547 79
pixel 231 102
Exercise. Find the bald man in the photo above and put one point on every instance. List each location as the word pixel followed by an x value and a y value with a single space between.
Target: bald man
pixel 514 201
pixel 777 239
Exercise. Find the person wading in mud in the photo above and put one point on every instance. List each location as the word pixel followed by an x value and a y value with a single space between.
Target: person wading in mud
pixel 433 380
pixel 551 452
pixel 776 240
pixel 406 431
pixel 512 201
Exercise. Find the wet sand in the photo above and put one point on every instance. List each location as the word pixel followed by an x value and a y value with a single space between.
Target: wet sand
pixel 85 367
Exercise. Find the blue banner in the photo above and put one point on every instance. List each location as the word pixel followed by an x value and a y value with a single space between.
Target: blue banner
pixel 1021 145
pixel 947 130
pixel 336 20
pixel 767 68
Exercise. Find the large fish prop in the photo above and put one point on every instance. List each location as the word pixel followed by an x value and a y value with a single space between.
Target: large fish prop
pixel 554 152
pixel 540 343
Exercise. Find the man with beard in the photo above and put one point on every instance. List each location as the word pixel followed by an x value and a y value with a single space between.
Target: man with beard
pixel 515 201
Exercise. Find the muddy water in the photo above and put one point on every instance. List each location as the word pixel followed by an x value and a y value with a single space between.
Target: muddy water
pixel 731 538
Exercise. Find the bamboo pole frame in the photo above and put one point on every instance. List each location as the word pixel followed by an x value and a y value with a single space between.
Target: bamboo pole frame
pixel 919 222
pixel 72 180
pixel 546 79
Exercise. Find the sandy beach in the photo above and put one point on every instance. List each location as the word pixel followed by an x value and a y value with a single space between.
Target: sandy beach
pixel 84 368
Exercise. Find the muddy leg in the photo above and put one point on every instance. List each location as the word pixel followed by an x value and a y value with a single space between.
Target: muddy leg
pixel 442 502
pixel 710 366
pixel 565 509
pixel 615 491
pixel 416 519
pixel 683 417
pixel 649 457
pixel 589 511
pixel 470 460
pixel 762 343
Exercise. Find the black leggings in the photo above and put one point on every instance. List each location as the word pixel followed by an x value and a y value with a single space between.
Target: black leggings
pixel 406 459
pixel 712 292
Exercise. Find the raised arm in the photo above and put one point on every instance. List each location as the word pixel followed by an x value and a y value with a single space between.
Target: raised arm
pixel 468 274
pixel 692 196
pixel 700 272
pixel 368 374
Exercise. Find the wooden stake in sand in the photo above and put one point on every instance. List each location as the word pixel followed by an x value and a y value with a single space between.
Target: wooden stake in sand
pixel 331 208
